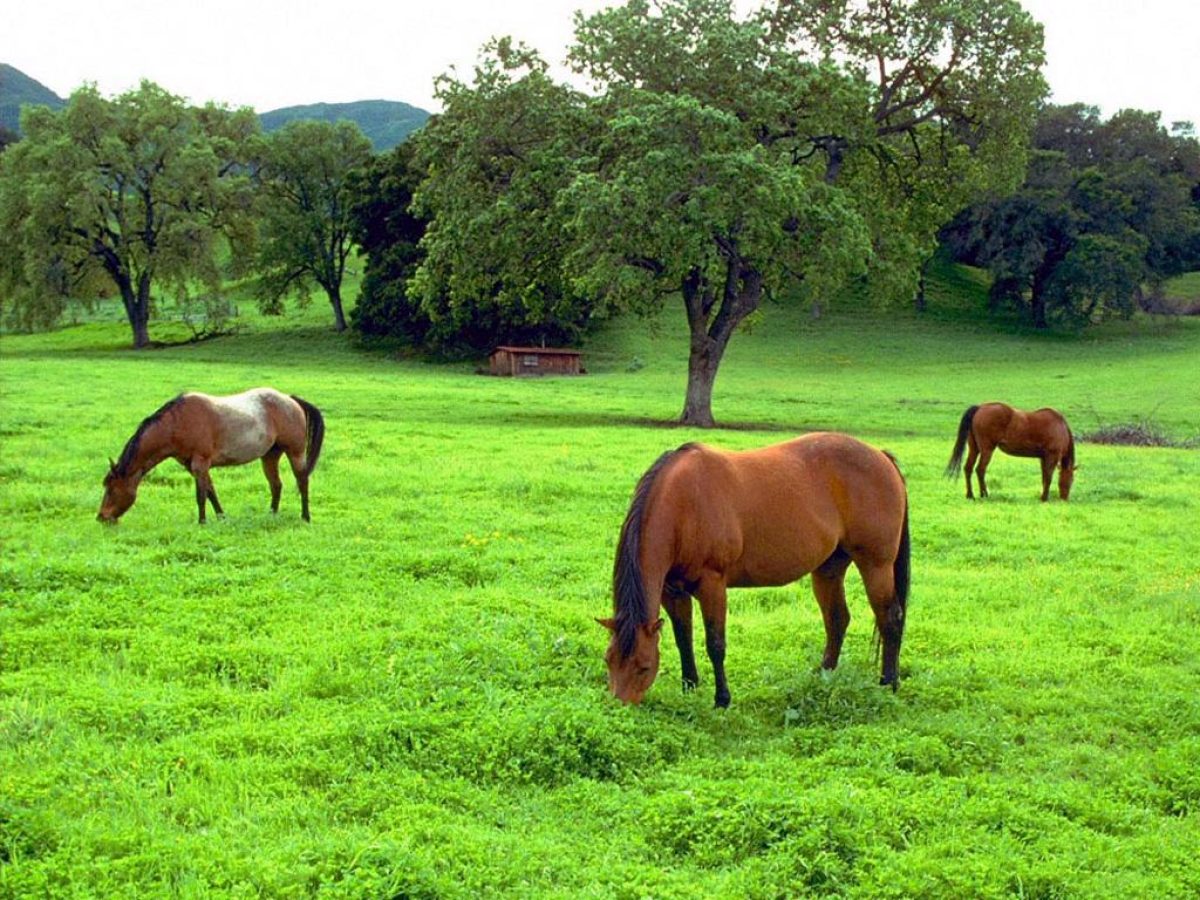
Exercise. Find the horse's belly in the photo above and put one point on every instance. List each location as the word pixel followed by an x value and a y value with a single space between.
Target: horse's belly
pixel 244 446
pixel 245 432
pixel 1024 450
pixel 770 570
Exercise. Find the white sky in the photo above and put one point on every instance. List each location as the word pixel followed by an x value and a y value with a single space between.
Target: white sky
pixel 271 53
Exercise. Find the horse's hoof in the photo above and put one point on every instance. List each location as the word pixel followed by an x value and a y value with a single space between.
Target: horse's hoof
pixel 721 702
pixel 689 686
pixel 894 682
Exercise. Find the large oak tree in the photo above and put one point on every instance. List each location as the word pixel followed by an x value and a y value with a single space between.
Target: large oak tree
pixel 143 192
pixel 720 158
pixel 808 142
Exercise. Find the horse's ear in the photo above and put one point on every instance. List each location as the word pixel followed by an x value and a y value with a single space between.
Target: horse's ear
pixel 112 466
pixel 610 624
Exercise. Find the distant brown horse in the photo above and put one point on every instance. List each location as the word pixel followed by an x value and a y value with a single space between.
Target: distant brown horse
pixel 201 432
pixel 703 520
pixel 1042 434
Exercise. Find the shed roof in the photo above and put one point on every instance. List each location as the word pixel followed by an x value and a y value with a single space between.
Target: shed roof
pixel 547 351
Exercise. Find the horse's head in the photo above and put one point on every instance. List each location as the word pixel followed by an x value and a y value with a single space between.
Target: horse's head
pixel 1066 478
pixel 119 493
pixel 629 677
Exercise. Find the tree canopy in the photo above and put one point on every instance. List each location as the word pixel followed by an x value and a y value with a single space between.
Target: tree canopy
pixel 1108 210
pixel 142 191
pixel 305 204
pixel 387 233
pixel 493 165
pixel 721 159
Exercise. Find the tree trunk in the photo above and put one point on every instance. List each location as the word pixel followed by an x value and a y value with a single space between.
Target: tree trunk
pixel 739 297
pixel 703 360
pixel 921 302
pixel 141 317
pixel 335 300
pixel 137 306
pixel 1037 297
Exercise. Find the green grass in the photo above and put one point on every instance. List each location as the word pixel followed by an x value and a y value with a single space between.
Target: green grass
pixel 407 698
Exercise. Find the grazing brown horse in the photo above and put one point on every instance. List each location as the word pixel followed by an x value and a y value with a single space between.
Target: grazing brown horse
pixel 201 431
pixel 704 520
pixel 1042 434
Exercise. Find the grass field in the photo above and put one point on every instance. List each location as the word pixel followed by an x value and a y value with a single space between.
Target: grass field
pixel 407 698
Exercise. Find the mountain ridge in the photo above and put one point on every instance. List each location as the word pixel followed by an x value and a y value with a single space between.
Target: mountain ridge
pixel 18 89
pixel 385 122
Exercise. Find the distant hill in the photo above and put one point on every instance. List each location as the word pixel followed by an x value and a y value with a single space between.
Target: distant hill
pixel 17 88
pixel 385 122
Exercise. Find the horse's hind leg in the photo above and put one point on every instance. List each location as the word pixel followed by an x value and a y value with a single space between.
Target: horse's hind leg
pixel 969 468
pixel 880 583
pixel 711 594
pixel 678 604
pixel 829 586
pixel 985 459
pixel 297 461
pixel 270 464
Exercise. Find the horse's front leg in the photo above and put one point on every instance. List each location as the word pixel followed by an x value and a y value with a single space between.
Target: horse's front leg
pixel 1048 464
pixel 678 604
pixel 205 492
pixel 713 607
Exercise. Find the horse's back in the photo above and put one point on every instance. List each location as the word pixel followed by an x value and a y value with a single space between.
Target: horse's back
pixel 772 515
pixel 1019 432
pixel 248 424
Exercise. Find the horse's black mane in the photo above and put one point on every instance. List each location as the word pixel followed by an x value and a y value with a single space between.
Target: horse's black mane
pixel 629 593
pixel 121 469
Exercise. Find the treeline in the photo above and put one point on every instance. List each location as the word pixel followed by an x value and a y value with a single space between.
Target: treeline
pixel 715 161
pixel 1107 212
pixel 152 199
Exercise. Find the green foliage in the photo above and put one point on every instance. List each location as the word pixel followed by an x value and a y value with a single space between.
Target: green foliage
pixel 387 233
pixel 721 157
pixel 493 164
pixel 305 201
pixel 1107 213
pixel 408 697
pixel 141 192
pixel 737 159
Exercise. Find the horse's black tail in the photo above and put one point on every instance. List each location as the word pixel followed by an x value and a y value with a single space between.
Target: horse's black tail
pixel 629 590
pixel 902 567
pixel 315 424
pixel 964 429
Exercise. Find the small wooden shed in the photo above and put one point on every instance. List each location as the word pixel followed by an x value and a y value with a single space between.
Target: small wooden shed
pixel 511 361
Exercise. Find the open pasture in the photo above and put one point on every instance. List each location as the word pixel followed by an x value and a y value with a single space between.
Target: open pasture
pixel 407 698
